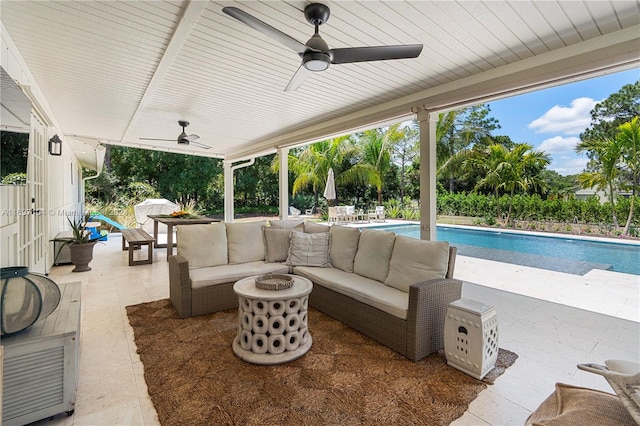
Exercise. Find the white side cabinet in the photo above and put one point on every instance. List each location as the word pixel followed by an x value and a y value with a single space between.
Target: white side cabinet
pixel 40 364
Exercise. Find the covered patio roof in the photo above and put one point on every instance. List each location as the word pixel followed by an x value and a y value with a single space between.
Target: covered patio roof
pixel 115 72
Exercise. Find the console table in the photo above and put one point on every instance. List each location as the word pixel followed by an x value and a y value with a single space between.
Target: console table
pixel 40 364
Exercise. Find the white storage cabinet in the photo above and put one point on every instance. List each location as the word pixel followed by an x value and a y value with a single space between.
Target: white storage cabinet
pixel 40 364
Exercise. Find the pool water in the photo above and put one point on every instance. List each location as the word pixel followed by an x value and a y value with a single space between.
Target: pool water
pixel 570 255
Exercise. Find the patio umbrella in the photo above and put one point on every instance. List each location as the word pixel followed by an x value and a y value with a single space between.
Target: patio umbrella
pixel 330 188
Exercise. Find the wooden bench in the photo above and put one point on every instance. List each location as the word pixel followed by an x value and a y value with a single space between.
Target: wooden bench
pixel 136 238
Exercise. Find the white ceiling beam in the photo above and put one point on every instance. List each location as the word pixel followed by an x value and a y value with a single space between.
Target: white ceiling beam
pixel 190 17
pixel 163 148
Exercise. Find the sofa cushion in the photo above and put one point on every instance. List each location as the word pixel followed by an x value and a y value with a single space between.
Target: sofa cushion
pixel 414 261
pixel 277 242
pixel 203 277
pixel 313 228
pixel 374 254
pixel 245 241
pixel 343 245
pixel 572 405
pixel 309 249
pixel 203 245
pixel 362 289
pixel 285 224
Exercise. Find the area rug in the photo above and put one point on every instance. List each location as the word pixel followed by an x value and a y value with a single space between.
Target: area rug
pixel 346 378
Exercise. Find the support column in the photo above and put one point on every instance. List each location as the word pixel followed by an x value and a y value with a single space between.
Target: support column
pixel 427 122
pixel 228 186
pixel 228 192
pixel 283 182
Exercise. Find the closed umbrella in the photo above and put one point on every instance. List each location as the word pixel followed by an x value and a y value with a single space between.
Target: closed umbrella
pixel 330 188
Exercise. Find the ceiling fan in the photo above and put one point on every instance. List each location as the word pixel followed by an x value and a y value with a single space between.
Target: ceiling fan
pixel 183 138
pixel 315 53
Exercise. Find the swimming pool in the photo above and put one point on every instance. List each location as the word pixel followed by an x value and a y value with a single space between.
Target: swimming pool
pixel 570 255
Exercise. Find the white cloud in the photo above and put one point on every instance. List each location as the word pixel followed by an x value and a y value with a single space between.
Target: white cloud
pixel 570 120
pixel 568 166
pixel 559 144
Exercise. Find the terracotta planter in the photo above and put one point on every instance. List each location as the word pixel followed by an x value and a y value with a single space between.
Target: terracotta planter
pixel 81 255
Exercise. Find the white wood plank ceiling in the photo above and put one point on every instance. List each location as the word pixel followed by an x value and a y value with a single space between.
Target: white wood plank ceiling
pixel 116 71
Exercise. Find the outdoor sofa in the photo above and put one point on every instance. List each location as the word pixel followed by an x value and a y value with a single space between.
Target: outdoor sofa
pixel 394 289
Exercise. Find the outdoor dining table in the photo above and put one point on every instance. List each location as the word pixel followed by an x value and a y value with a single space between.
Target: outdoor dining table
pixel 171 222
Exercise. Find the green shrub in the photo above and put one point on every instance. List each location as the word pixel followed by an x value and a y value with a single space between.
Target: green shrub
pixel 15 179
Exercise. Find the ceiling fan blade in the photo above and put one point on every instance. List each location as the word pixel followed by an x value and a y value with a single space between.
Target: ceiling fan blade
pixel 298 78
pixel 200 145
pixel 374 53
pixel 156 139
pixel 265 28
pixel 192 138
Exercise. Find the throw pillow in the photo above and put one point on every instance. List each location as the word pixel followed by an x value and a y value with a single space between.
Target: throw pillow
pixel 245 241
pixel 285 224
pixel 309 249
pixel 414 261
pixel 277 241
pixel 572 405
pixel 374 254
pixel 203 245
pixel 343 246
pixel 313 228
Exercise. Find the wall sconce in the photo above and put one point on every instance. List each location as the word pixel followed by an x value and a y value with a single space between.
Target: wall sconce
pixel 55 145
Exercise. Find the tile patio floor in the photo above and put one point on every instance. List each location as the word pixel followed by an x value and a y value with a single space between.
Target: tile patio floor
pixel 541 316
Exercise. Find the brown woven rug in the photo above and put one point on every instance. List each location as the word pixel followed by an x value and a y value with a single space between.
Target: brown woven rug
pixel 194 378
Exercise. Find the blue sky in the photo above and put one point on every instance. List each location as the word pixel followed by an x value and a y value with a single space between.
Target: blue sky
pixel 552 119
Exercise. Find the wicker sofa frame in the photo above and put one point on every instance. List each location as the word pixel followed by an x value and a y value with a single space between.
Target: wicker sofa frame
pixel 190 302
pixel 421 334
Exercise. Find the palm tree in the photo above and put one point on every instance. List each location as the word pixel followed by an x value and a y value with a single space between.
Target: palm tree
pixel 606 155
pixel 523 171
pixel 508 169
pixel 489 162
pixel 456 131
pixel 376 146
pixel 311 165
pixel 405 151
pixel 629 138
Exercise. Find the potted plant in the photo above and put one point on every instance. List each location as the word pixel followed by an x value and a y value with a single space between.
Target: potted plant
pixel 80 245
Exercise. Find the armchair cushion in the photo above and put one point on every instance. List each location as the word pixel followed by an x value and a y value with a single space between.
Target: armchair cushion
pixel 204 245
pixel 343 246
pixel 414 261
pixel 244 241
pixel 374 254
pixel 309 249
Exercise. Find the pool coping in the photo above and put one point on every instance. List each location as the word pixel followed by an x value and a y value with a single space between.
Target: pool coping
pixel 513 231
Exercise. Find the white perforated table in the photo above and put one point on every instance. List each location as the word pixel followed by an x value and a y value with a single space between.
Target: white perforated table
pixel 272 324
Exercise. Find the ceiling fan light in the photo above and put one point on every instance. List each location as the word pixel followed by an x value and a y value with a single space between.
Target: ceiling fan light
pixel 316 61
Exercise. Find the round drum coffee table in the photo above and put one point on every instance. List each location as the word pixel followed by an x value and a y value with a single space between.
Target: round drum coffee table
pixel 272 323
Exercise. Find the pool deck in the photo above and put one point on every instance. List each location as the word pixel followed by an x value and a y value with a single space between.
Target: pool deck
pixel 606 292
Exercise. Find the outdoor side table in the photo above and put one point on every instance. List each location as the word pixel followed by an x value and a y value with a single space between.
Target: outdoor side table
pixel 273 324
pixel 471 337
